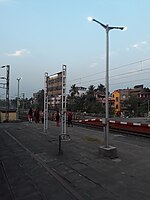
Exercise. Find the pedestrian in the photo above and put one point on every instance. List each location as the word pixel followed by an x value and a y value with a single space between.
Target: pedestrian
pixel 30 115
pixel 37 115
pixel 57 118
pixel 69 114
pixel 42 116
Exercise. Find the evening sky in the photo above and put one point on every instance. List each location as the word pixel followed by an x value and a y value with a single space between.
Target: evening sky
pixel 38 36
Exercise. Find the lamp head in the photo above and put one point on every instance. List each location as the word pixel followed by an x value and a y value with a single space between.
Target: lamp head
pixel 18 79
pixel 90 19
pixel 124 28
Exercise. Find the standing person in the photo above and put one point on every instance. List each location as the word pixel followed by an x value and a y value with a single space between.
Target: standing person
pixel 42 116
pixel 30 115
pixel 37 115
pixel 57 118
pixel 69 114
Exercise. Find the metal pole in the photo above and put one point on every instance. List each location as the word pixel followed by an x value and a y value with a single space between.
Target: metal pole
pixel 107 88
pixel 7 93
pixel 23 95
pixel 64 87
pixel 64 101
pixel 17 100
pixel 62 104
pixel 45 101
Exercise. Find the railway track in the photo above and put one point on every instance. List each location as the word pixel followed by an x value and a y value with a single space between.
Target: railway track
pixel 129 128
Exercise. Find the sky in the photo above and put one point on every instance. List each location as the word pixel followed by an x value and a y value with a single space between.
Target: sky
pixel 38 36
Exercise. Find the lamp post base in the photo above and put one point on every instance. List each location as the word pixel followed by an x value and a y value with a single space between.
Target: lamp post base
pixel 108 152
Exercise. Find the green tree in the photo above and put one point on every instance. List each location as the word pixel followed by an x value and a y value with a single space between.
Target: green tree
pixel 136 106
pixel 101 88
pixel 74 90
pixel 90 90
pixel 90 99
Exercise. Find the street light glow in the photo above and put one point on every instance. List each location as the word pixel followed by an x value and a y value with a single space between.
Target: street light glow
pixel 125 28
pixel 90 19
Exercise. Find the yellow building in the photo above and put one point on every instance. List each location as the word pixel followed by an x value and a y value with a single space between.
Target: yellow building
pixel 118 97
pixel 12 115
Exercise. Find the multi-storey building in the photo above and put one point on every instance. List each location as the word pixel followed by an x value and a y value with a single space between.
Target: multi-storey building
pixel 140 92
pixel 120 95
pixel 54 85
pixel 100 96
pixel 81 91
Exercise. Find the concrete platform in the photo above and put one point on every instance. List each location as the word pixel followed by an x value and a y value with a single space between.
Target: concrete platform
pixel 30 167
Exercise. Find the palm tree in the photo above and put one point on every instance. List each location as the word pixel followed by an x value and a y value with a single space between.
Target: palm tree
pixel 73 90
pixel 91 90
pixel 101 88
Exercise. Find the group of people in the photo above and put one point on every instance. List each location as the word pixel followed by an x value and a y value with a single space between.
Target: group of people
pixel 57 117
pixel 37 115
pixel 69 118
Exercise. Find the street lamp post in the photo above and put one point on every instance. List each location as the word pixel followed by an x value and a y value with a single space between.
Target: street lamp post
pixel 107 29
pixel 18 79
pixel 148 112
pixel 6 86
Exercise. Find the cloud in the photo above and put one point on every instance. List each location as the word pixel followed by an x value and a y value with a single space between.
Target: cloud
pixel 139 46
pixel 93 65
pixel 136 45
pixel 18 53
pixel 144 42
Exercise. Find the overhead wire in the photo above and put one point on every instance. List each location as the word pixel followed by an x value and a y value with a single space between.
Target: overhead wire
pixel 121 66
pixel 121 75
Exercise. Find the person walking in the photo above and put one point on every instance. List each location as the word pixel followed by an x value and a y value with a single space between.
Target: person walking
pixel 69 114
pixel 42 116
pixel 30 115
pixel 37 115
pixel 57 118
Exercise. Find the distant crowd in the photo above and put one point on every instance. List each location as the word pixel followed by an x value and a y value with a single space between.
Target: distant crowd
pixel 38 116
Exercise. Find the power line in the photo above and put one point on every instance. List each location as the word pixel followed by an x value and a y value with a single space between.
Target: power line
pixel 131 81
pixel 122 66
pixel 121 76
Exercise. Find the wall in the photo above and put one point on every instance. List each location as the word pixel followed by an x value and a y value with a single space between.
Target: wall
pixel 12 116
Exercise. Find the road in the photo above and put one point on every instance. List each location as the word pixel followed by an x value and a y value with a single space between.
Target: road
pixel 30 167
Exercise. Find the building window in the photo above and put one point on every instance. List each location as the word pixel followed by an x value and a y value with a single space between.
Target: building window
pixel 116 106
pixel 116 99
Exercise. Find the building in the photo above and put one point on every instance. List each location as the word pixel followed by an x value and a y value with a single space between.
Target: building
pixel 140 92
pixel 100 96
pixel 55 84
pixel 119 96
pixel 54 89
pixel 12 115
pixel 81 91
